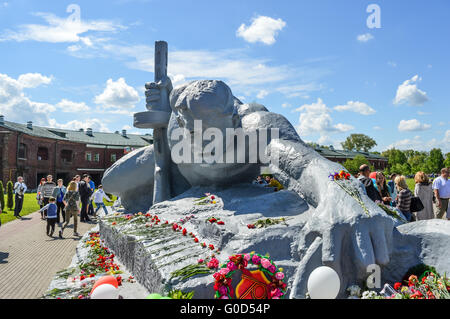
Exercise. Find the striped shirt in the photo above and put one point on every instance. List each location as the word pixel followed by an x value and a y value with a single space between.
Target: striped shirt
pixel 404 200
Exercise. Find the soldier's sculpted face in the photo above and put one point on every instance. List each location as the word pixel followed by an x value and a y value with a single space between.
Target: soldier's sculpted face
pixel 212 103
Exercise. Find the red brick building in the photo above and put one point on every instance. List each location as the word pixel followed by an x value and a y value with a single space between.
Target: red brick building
pixel 34 152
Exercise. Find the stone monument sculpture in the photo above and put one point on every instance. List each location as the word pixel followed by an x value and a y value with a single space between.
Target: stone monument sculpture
pixel 327 226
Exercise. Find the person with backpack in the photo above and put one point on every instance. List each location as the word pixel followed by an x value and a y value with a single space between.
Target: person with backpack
pixel 85 195
pixel 58 193
pixel 51 216
pixel 47 191
pixel 71 202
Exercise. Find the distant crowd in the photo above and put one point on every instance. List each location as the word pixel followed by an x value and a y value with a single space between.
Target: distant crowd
pixel 429 200
pixel 396 194
pixel 58 203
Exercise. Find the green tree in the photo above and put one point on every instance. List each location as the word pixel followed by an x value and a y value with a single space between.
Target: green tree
pixel 447 160
pixel 358 142
pixel 352 165
pixel 394 157
pixel 2 196
pixel 435 160
pixel 417 162
pixel 10 195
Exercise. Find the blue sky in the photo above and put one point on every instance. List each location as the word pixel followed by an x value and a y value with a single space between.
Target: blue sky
pixel 316 62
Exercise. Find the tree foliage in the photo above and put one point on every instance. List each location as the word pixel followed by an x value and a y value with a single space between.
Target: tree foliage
pixel 409 162
pixel 352 165
pixel 358 142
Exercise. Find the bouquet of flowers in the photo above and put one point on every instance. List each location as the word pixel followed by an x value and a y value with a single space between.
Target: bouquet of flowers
pixel 343 180
pixel 206 200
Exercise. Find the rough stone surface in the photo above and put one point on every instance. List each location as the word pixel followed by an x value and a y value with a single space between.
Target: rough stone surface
pixel 327 226
pixel 135 188
pixel 424 242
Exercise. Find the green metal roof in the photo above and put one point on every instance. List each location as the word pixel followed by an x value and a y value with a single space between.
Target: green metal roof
pixel 347 154
pixel 97 138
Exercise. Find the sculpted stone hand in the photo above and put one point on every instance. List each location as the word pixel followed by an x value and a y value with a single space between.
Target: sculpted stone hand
pixel 155 90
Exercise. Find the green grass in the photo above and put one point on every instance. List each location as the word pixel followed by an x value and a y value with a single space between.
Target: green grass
pixel 30 205
pixel 411 184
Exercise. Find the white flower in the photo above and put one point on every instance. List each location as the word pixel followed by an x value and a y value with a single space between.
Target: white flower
pixel 369 295
pixel 354 290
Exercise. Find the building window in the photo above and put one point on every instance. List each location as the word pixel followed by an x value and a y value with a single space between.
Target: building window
pixel 97 157
pixel 113 158
pixel 66 156
pixel 22 151
pixel 42 154
pixel 89 156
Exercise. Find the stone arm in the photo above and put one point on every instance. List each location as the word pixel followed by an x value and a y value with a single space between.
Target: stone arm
pixel 131 178
pixel 350 240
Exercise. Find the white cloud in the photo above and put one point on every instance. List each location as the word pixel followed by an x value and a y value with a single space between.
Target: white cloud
pixel 97 125
pixel 299 90
pixel 377 128
pixel 412 125
pixel 418 144
pixel 408 92
pixel 16 106
pixel 246 75
pixel 32 80
pixel 262 94
pixel 392 64
pixel 423 113
pixel 357 107
pixel 118 95
pixel 316 118
pixel 285 105
pixel 72 107
pixel 60 30
pixel 364 37
pixel 263 29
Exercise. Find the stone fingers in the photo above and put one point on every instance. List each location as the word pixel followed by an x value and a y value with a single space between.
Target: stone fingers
pixel 151 85
pixel 380 246
pixel 332 246
pixel 363 247
pixel 150 92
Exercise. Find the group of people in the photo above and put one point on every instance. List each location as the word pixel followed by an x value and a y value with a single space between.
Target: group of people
pixel 58 204
pixel 396 194
pixel 268 181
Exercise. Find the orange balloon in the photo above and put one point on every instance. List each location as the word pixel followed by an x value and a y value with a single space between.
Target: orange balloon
pixel 106 280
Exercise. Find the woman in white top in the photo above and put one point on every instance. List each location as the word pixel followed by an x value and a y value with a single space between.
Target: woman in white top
pixel 424 191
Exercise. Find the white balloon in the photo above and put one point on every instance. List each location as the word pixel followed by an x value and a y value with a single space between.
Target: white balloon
pixel 323 283
pixel 105 291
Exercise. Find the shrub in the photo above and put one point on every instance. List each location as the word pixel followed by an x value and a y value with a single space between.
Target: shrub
pixel 2 196
pixel 10 195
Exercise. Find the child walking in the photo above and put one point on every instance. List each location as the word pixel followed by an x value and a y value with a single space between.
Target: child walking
pixel 98 200
pixel 51 215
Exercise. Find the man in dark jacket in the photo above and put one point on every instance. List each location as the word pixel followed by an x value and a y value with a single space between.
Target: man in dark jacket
pixel 85 194
pixel 364 173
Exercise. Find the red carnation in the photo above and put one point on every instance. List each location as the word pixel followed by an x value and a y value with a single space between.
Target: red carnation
pixel 196 240
pixel 211 246
pixel 397 286
pixel 220 222
pixel 184 232
pixel 212 220
pixel 250 226
pixel 212 197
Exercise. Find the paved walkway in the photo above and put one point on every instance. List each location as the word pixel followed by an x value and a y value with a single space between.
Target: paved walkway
pixel 29 258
